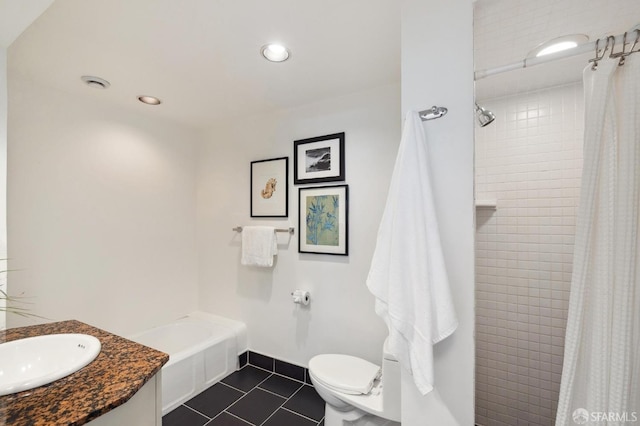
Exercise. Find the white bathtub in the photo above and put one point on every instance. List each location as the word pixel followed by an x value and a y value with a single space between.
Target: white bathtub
pixel 202 348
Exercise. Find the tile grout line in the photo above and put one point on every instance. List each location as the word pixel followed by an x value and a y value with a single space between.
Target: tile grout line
pixel 295 412
pixel 286 399
pixel 275 411
pixel 244 394
pixel 239 399
pixel 211 418
pixel 302 384
pixel 235 388
pixel 274 363
pixel 281 375
pixel 281 396
pixel 265 379
pixel 272 393
pixel 247 393
pixel 196 411
pixel 231 414
pixel 239 418
pixel 303 416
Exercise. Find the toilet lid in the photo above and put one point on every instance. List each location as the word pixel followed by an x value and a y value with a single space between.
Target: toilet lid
pixel 344 372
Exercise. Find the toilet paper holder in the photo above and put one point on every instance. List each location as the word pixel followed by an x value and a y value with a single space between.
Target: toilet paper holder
pixel 301 297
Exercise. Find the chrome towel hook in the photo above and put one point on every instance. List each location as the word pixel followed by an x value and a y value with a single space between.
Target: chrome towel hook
pixel 433 113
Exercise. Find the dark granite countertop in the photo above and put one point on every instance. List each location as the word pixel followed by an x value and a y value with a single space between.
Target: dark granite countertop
pixel 118 372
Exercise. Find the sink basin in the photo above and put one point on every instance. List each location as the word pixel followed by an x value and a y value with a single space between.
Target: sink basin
pixel 36 361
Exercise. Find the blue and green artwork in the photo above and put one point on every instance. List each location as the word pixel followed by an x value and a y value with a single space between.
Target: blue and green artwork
pixel 322 220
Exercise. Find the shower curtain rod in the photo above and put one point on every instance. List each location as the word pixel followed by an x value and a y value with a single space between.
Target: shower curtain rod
pixel 529 62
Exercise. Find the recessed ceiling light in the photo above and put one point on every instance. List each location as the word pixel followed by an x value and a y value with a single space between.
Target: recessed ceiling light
pixel 149 100
pixel 275 52
pixel 558 45
pixel 95 82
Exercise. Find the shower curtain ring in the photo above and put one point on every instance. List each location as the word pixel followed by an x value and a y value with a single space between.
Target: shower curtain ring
pixel 624 55
pixel 596 58
pixel 613 46
pixel 637 30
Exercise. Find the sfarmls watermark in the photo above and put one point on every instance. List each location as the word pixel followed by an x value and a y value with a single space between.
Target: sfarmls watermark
pixel 582 416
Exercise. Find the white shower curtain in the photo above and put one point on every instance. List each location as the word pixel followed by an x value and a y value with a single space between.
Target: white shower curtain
pixel 601 373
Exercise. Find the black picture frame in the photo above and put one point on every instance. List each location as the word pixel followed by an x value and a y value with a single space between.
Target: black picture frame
pixel 323 220
pixel 319 159
pixel 268 177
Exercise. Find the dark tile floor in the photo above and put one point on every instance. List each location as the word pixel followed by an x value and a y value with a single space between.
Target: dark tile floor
pixel 251 396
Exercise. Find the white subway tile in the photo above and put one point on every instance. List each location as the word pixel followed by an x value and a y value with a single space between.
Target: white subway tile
pixel 530 161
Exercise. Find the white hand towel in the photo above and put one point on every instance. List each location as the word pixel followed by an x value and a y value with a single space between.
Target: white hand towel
pixel 259 245
pixel 408 275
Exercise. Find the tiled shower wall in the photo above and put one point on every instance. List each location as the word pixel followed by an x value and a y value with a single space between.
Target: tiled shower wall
pixel 529 161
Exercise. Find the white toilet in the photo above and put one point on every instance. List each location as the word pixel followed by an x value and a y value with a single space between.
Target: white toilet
pixel 353 387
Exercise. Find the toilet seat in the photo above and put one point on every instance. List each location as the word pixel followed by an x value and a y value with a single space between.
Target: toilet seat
pixel 344 373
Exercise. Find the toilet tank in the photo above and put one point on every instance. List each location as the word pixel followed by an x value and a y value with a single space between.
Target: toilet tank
pixel 390 384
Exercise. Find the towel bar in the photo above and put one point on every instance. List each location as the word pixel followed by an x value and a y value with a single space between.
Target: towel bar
pixel 289 230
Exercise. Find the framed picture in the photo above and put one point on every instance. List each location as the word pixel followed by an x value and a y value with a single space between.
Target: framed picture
pixel 270 187
pixel 319 159
pixel 323 220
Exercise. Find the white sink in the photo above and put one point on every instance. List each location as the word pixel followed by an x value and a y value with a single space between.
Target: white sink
pixel 36 361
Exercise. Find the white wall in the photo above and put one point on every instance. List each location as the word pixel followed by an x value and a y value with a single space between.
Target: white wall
pixel 101 210
pixel 341 316
pixel 101 213
pixel 437 69
pixel 3 175
pixel 15 17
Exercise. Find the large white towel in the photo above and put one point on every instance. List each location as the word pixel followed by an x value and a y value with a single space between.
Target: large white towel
pixel 259 245
pixel 408 275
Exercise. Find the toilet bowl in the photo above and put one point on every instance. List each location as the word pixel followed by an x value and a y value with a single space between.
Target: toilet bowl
pixel 352 387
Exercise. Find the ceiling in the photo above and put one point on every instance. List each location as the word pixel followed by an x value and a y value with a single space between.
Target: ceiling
pixel 506 30
pixel 202 57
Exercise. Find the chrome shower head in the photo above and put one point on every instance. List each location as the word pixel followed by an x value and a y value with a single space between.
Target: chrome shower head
pixel 484 116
